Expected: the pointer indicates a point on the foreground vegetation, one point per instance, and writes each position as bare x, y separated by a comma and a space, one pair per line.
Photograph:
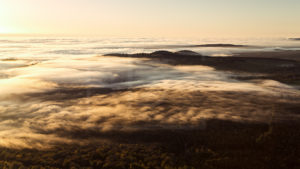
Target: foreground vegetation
221, 144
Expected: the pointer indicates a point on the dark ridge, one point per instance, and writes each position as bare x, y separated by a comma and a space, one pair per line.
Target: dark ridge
219, 45
224, 45
187, 52
9, 59
294, 39
186, 46
162, 53
280, 69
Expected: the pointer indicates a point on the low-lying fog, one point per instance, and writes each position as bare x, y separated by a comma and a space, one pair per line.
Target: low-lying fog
61, 95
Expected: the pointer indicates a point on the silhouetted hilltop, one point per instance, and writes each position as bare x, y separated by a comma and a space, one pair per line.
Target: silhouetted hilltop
187, 52
294, 39
280, 69
162, 53
179, 53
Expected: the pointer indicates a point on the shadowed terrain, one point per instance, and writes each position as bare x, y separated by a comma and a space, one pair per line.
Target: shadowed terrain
162, 110
223, 144
294, 38
283, 66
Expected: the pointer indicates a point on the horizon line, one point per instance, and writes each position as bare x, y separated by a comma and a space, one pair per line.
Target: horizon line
119, 36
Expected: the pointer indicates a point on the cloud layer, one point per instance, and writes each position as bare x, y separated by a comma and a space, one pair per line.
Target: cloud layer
77, 98
41, 122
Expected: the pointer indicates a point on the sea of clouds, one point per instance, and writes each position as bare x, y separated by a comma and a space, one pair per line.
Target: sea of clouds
64, 91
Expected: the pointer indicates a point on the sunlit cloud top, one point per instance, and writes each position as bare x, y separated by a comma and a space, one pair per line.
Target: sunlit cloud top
155, 18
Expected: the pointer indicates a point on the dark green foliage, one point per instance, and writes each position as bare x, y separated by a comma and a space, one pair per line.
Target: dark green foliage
222, 144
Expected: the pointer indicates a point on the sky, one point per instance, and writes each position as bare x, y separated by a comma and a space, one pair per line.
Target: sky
152, 18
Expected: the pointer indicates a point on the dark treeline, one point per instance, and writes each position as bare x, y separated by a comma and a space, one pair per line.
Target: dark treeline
222, 144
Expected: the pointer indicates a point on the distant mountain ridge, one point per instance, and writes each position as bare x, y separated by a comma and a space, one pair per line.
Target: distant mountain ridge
280, 68
219, 45
294, 39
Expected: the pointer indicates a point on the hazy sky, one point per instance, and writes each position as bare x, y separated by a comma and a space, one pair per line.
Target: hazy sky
152, 18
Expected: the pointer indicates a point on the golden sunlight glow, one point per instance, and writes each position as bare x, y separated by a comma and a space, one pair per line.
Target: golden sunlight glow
5, 30
154, 18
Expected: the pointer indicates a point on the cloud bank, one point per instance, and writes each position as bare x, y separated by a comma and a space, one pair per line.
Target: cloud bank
50, 100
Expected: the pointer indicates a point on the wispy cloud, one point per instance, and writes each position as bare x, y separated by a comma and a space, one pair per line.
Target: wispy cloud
78, 99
